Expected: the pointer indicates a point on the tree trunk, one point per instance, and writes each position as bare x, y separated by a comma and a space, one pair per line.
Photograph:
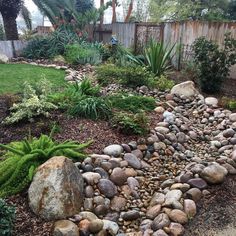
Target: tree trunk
113, 11
10, 27
101, 22
129, 11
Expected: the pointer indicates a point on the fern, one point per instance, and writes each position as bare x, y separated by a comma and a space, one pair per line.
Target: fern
21, 160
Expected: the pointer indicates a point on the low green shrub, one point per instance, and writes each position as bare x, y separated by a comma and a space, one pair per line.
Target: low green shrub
132, 103
23, 157
7, 217
33, 104
228, 103
130, 124
91, 107
129, 76
162, 83
83, 54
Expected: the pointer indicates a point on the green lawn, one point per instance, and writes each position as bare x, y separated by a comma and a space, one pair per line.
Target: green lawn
12, 76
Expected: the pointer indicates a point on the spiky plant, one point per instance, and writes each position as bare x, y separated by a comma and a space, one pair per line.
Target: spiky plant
22, 158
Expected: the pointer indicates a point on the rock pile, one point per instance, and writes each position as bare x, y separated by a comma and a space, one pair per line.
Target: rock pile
151, 186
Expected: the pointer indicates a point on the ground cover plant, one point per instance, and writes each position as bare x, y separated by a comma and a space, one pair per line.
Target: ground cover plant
21, 159
13, 76
131, 102
131, 76
7, 217
129, 123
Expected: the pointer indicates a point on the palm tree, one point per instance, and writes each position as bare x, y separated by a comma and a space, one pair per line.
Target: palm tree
10, 9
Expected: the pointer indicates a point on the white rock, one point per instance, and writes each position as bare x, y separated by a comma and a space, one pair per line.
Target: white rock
113, 150
211, 101
56, 191
3, 58
232, 117
111, 227
186, 88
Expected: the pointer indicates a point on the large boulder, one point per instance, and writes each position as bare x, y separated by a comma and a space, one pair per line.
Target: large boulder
214, 173
186, 88
56, 191
3, 58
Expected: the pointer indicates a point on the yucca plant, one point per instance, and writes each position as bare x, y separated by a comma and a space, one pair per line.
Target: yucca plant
157, 57
22, 158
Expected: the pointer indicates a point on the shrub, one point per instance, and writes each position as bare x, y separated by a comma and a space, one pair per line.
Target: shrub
91, 107
7, 217
82, 54
33, 104
132, 103
128, 76
51, 45
163, 83
129, 124
228, 103
214, 63
22, 158
157, 57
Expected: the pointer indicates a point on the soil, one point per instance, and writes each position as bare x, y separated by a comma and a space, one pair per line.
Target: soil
216, 215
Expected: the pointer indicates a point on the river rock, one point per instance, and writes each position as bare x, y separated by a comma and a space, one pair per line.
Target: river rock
178, 216
107, 188
160, 221
95, 226
65, 228
132, 160
113, 150
190, 208
118, 176
211, 101
53, 193
176, 229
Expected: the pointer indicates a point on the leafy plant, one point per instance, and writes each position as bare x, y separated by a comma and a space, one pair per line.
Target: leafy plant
92, 108
157, 57
34, 103
87, 88
7, 217
22, 158
51, 45
82, 54
132, 76
129, 123
228, 103
214, 63
132, 103
163, 83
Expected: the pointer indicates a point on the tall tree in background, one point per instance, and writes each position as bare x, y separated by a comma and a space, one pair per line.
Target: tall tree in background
189, 9
84, 5
9, 10
129, 11
113, 11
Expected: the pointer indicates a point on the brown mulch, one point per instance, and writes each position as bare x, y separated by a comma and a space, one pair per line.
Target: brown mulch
27, 223
216, 211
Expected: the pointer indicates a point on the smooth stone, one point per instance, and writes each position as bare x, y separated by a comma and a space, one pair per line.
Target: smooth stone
101, 210
182, 187
89, 192
211, 101
198, 183
145, 225
95, 226
172, 197
65, 228
214, 173
91, 178
132, 160
111, 227
153, 212
87, 215
84, 227
107, 188
232, 117
159, 232
178, 216
231, 170
160, 221
130, 215
176, 229
190, 208
228, 133
101, 172
118, 176
159, 110
194, 193
157, 198
132, 183
113, 150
